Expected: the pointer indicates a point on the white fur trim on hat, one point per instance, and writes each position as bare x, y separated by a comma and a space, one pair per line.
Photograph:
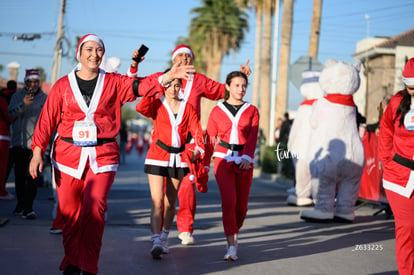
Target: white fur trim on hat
309, 87
408, 81
86, 38
310, 77
182, 49
32, 74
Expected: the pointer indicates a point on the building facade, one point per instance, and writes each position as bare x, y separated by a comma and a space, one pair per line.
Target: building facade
382, 62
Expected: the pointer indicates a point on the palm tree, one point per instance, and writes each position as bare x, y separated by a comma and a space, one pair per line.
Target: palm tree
219, 26
265, 65
258, 6
257, 52
263, 52
286, 38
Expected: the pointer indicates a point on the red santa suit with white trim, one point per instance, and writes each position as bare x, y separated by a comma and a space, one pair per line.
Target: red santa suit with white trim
171, 130
192, 92
77, 168
234, 183
396, 144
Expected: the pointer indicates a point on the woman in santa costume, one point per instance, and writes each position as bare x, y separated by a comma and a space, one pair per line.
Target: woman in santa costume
231, 139
396, 143
84, 108
192, 91
173, 119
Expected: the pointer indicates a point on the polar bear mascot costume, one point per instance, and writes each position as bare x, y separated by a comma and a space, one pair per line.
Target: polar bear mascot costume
298, 142
336, 149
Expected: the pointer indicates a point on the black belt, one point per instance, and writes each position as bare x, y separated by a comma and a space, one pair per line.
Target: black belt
189, 138
233, 147
170, 149
403, 161
99, 141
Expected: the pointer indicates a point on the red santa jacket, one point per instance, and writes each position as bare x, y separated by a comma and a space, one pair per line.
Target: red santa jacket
241, 129
394, 139
65, 105
170, 130
196, 88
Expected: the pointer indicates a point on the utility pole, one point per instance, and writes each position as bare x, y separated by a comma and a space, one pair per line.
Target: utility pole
271, 134
58, 47
367, 19
315, 29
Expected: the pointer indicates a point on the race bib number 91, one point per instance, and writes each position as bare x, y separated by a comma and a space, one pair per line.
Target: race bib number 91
84, 133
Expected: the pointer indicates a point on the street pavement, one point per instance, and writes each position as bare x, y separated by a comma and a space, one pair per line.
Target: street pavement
273, 240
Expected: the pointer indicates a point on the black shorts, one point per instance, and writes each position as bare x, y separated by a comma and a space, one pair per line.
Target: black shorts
171, 172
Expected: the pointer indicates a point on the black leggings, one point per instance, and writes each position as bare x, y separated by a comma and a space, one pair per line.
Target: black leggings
26, 187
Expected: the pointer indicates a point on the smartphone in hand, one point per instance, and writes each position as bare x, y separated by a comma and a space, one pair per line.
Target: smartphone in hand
30, 92
141, 52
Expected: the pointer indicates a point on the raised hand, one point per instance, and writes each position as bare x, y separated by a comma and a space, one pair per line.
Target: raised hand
134, 56
181, 71
246, 69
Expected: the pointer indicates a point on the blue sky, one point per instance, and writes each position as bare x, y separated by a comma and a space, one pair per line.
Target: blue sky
124, 25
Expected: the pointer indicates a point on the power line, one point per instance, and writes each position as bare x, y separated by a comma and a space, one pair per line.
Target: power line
18, 33
26, 54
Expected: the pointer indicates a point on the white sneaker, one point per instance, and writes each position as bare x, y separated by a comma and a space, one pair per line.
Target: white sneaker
304, 202
293, 200
164, 244
231, 254
156, 250
186, 238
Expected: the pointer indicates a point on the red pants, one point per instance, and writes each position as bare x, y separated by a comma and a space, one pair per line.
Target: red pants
403, 209
187, 209
82, 204
58, 220
234, 185
4, 159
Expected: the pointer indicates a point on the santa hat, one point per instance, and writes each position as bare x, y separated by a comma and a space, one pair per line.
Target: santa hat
198, 173
310, 77
32, 74
408, 73
182, 49
309, 87
86, 38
